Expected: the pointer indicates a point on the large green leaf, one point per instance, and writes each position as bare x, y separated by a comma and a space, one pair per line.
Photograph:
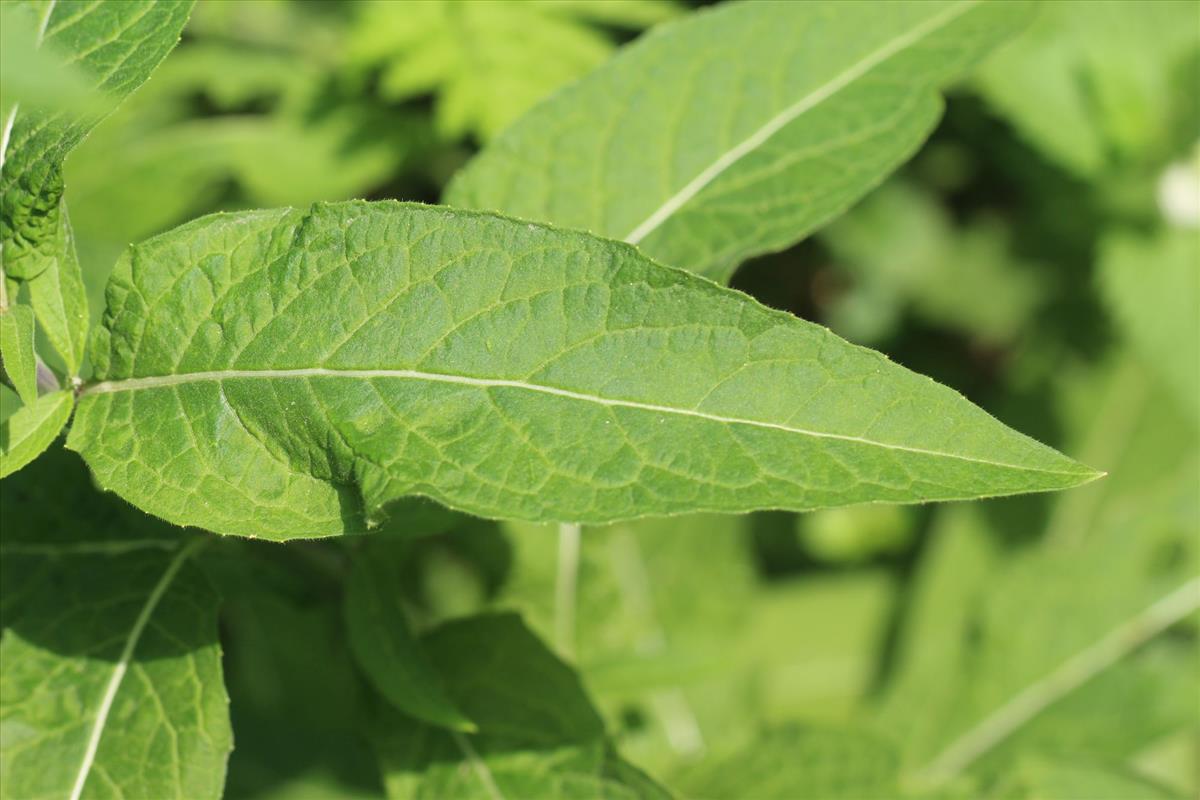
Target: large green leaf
738, 130
111, 685
283, 373
117, 45
539, 735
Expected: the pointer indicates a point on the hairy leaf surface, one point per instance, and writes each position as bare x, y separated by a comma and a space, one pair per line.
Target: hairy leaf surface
283, 373
738, 130
111, 684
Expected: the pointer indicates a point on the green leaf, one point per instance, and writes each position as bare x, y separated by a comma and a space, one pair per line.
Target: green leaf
738, 130
31, 429
539, 735
1007, 655
796, 763
282, 374
1039, 779
17, 331
60, 300
1095, 85
385, 647
487, 62
117, 45
112, 673
1152, 285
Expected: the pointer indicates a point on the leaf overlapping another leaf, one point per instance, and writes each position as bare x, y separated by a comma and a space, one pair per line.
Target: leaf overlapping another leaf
738, 130
283, 373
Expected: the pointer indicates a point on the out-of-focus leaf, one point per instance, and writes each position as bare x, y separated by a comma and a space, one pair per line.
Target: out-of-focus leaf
29, 74
384, 645
297, 701
678, 670
112, 680
901, 250
999, 653
17, 331
1097, 85
488, 62
539, 735
738, 130
117, 46
1152, 285
799, 763
31, 429
855, 533
1039, 779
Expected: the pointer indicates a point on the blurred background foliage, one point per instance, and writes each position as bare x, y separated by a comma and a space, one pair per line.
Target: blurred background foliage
1040, 254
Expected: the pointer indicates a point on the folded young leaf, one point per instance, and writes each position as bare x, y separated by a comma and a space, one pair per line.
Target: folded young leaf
738, 130
17, 353
111, 685
385, 647
31, 429
286, 373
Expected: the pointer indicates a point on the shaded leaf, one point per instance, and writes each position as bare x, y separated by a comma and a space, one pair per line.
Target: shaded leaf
112, 673
386, 648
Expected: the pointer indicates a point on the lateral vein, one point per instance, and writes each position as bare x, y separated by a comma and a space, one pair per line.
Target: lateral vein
163, 381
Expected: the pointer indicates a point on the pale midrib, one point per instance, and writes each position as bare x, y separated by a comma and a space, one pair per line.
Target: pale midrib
164, 381
790, 114
1070, 675
122, 665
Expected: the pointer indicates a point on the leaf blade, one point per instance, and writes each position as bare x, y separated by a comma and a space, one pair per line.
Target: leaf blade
669, 375
16, 347
700, 166
31, 429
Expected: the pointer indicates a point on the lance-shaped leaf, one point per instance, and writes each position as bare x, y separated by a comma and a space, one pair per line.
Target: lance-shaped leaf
117, 45
739, 130
283, 373
17, 350
111, 684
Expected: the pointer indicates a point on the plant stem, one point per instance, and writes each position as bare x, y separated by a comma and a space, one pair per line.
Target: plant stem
565, 587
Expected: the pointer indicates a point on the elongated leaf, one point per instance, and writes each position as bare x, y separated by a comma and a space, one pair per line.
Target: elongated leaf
738, 130
31, 429
539, 735
111, 684
16, 349
999, 650
117, 45
60, 300
282, 373
386, 648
